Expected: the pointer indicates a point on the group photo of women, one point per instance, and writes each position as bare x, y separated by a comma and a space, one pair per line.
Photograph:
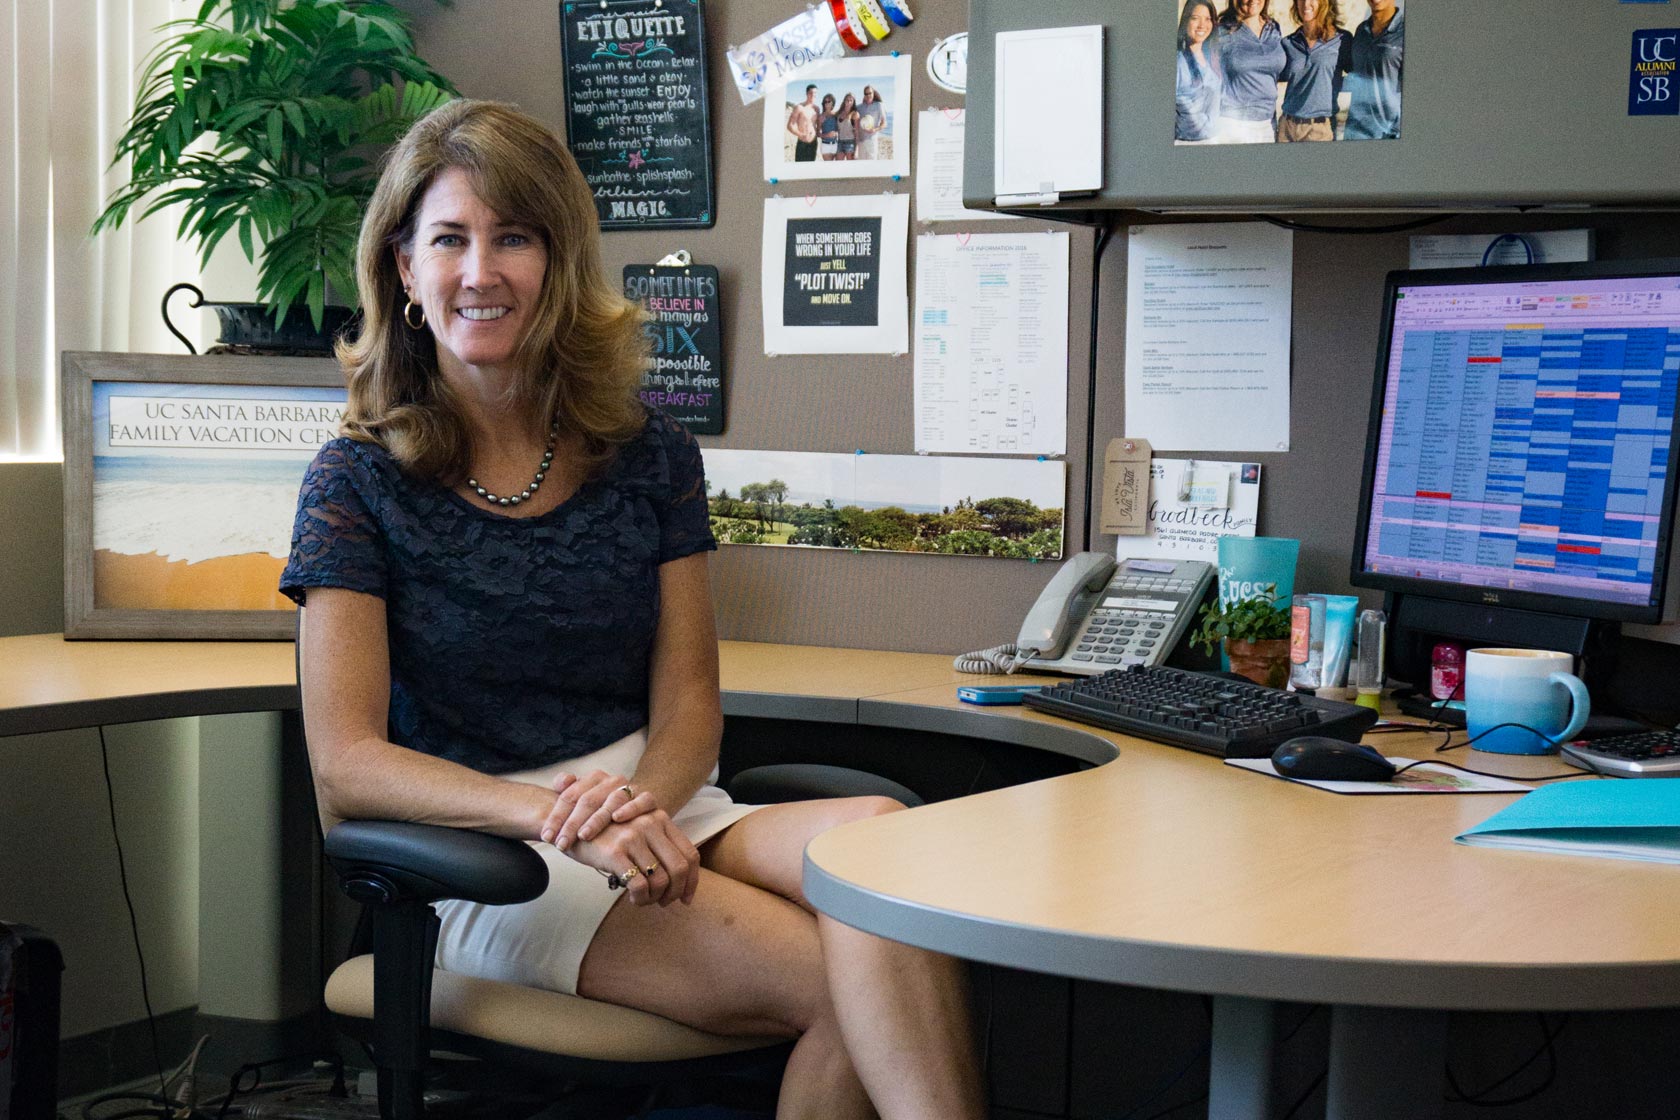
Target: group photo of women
1284, 71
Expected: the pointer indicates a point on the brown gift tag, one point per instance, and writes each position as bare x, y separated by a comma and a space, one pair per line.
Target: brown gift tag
1125, 493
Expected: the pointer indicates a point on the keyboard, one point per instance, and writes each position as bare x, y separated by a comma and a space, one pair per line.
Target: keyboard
1644, 754
1210, 713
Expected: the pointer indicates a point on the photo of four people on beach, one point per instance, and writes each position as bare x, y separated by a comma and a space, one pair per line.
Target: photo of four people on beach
833, 124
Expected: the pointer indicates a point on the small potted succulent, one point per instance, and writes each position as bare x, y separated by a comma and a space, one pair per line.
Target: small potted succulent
1255, 636
263, 119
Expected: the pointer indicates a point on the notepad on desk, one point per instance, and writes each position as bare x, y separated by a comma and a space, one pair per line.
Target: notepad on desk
1616, 820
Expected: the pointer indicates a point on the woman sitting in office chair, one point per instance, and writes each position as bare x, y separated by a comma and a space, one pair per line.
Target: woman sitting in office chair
509, 628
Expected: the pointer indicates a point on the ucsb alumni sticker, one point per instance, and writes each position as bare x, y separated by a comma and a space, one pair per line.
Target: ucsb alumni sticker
1651, 79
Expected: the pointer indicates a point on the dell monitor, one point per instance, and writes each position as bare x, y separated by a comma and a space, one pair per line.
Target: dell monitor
1521, 462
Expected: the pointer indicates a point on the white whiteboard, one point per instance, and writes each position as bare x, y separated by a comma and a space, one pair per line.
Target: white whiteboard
1048, 137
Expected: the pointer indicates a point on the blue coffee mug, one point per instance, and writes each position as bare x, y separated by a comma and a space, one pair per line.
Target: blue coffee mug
1531, 687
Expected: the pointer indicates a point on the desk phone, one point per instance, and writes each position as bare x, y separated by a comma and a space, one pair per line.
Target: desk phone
1098, 615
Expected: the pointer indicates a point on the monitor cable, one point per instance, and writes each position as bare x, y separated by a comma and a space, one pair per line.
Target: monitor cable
1396, 227
1447, 744
1103, 235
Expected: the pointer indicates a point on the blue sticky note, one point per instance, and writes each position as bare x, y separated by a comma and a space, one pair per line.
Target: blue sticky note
1652, 86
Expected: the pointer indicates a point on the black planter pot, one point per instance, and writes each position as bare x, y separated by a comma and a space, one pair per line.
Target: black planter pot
250, 327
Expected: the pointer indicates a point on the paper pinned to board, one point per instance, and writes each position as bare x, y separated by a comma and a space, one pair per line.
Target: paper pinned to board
796, 46
834, 274
1207, 335
1182, 529
1472, 250
991, 351
939, 170
1125, 492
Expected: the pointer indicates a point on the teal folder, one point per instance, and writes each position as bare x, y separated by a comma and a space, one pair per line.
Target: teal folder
1618, 819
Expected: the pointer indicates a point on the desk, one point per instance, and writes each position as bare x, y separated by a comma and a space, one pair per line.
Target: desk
1168, 869
1158, 867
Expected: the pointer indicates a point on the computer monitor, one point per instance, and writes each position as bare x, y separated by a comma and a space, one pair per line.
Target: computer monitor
1522, 450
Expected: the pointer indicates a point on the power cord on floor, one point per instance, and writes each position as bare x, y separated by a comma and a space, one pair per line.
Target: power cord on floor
1307, 1094
1481, 1098
133, 921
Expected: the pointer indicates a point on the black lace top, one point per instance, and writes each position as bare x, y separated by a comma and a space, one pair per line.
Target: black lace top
515, 642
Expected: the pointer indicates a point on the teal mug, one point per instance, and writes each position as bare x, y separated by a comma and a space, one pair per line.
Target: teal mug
1532, 687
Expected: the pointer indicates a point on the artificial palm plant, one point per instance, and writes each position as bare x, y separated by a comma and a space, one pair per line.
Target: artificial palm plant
292, 100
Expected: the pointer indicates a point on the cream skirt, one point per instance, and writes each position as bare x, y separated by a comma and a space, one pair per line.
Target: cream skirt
540, 944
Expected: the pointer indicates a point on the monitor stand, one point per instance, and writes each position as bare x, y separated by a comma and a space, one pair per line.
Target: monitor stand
1417, 622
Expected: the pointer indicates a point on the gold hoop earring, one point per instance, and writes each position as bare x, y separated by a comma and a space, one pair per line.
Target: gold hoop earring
409, 319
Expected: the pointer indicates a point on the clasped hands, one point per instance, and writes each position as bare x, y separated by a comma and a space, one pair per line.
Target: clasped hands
601, 821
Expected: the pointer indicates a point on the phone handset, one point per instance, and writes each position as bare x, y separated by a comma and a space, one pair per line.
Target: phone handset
1064, 602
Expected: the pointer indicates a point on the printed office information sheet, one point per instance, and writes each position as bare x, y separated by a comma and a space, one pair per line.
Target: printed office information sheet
939, 170
991, 343
1207, 336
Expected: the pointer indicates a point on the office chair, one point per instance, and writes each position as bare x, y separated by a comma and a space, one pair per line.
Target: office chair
393, 999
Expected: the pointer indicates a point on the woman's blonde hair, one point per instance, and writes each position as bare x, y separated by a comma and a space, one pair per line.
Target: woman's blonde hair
1327, 25
582, 357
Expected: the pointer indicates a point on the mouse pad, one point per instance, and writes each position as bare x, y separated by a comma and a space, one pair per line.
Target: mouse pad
1428, 778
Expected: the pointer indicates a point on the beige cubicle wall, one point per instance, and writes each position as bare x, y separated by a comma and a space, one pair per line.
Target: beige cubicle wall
844, 403
510, 51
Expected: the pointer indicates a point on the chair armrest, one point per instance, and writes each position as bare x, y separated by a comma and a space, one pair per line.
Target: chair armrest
390, 861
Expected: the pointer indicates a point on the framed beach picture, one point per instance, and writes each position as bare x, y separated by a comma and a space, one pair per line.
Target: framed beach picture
181, 479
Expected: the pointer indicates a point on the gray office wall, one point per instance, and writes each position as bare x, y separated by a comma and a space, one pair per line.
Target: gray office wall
511, 51
1518, 102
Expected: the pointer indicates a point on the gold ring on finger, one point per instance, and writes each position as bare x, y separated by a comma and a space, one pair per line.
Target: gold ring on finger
627, 791
625, 876
650, 869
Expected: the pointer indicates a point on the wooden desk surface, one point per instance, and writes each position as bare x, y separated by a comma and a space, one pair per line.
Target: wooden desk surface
1161, 867
48, 684
1168, 868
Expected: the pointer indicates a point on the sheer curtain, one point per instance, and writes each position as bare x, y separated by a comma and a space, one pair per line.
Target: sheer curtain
67, 77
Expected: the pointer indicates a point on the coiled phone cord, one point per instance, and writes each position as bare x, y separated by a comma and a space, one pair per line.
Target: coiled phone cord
999, 659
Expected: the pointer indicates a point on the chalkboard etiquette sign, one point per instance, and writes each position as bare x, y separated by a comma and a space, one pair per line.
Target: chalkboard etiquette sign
636, 110
686, 378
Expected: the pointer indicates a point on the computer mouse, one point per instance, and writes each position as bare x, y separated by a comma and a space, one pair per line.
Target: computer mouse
1316, 758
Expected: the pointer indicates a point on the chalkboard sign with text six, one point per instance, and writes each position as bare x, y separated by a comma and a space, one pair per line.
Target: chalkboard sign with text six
686, 378
636, 110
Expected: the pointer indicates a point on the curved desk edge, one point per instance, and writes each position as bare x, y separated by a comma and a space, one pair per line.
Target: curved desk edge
1060, 738
782, 705
143, 707
1230, 973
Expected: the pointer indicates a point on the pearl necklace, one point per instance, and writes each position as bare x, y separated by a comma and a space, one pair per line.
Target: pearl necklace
536, 481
